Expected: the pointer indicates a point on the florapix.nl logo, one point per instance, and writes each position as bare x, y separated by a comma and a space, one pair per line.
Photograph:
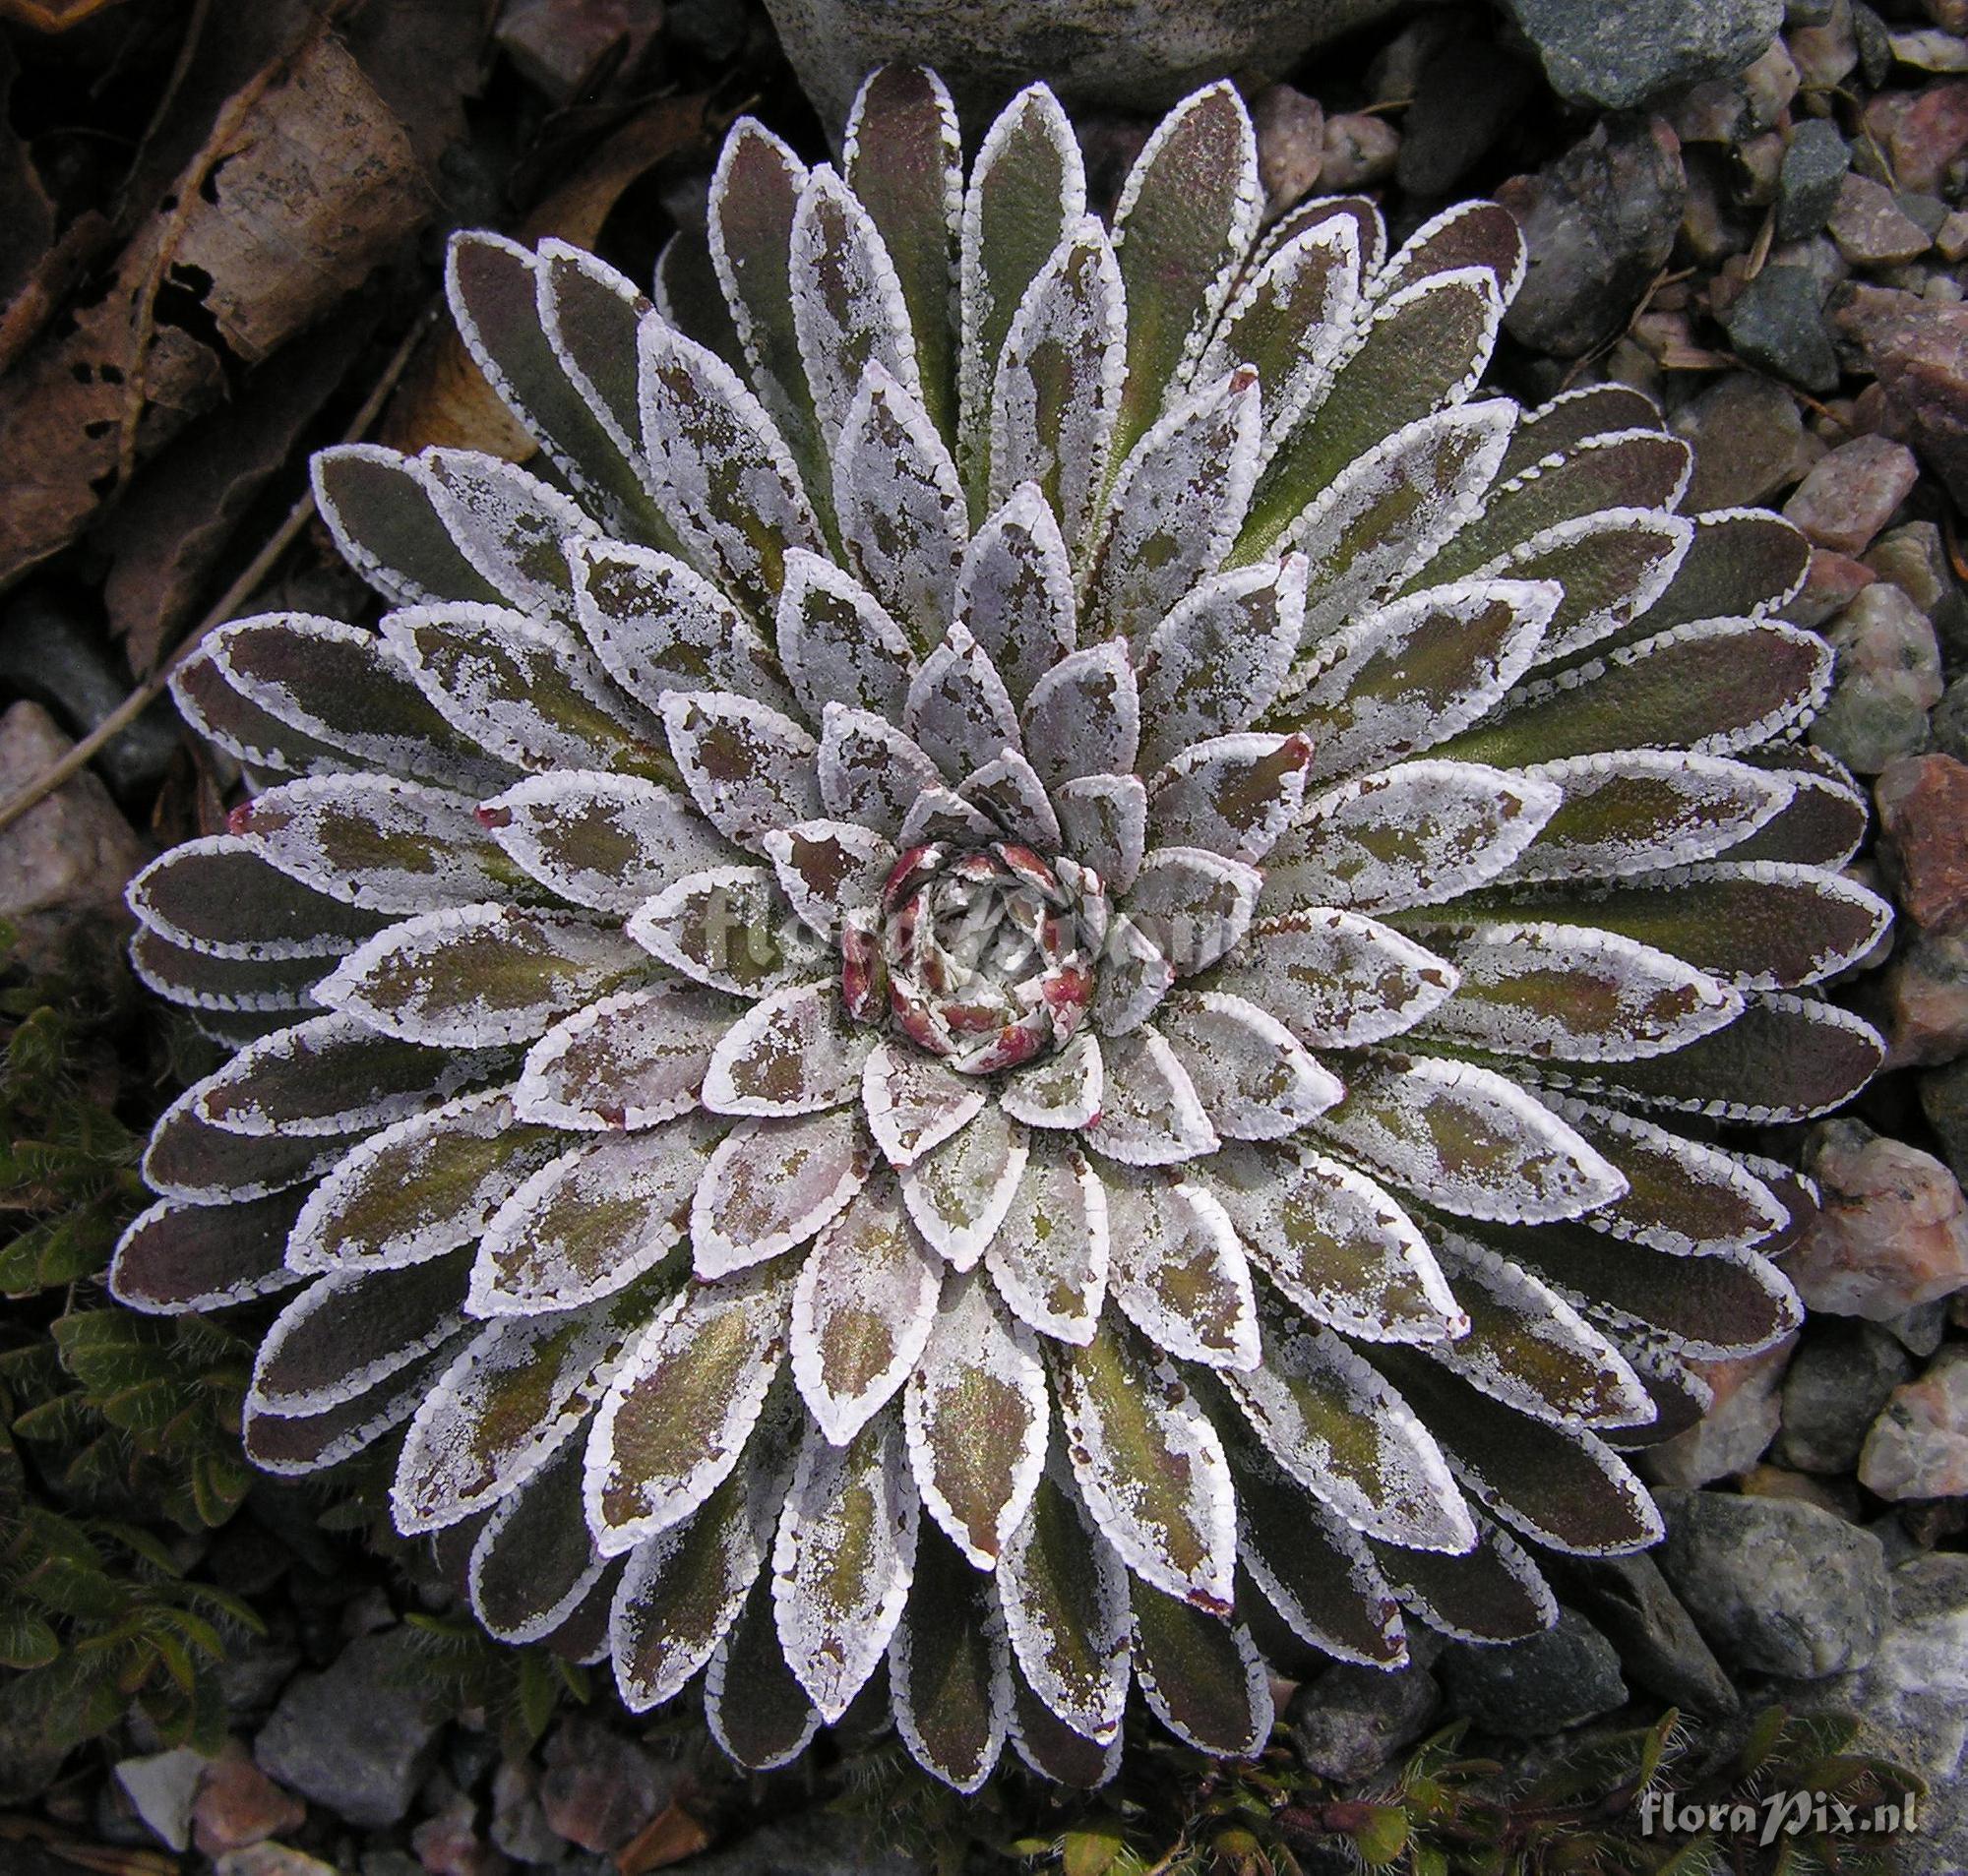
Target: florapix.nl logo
1776, 1814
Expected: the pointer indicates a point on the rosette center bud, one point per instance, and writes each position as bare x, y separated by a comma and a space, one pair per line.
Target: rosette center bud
983, 955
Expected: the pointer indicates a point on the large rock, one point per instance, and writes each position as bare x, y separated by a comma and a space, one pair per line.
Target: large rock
1914, 558
1621, 56
1560, 1678
1738, 1427
1921, 133
1919, 351
1777, 323
1926, 989
1892, 1232
1851, 493
598, 1789
1944, 1099
1834, 1389
1887, 678
1748, 439
1598, 222
1777, 1586
239, 1805
64, 863
1629, 1600
161, 1788
1351, 1720
1918, 1447
1142, 53
1914, 1693
1924, 836
359, 1737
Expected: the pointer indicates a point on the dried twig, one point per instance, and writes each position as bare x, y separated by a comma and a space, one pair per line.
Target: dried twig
102, 1858
235, 595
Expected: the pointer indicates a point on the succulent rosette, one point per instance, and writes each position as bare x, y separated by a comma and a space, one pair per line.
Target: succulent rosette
1032, 974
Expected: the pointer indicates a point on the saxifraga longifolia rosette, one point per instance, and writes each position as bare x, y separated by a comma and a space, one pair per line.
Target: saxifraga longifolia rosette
1029, 972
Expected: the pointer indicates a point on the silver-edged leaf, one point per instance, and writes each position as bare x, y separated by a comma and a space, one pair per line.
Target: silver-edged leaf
770, 1184
589, 1222
957, 709
525, 689
848, 309
375, 842
532, 1562
727, 929
864, 1308
1058, 384
748, 767
1149, 1463
175, 1258
757, 1712
600, 840
977, 1412
1334, 979
1467, 1140
899, 504
791, 1053
1201, 1676
1176, 506
330, 1075
1178, 1272
723, 477
1643, 809
1061, 1090
1565, 992
479, 976
839, 643
1216, 664
903, 156
1335, 1243
959, 1192
657, 626
1015, 590
827, 868
681, 1404
1527, 1347
515, 1395
1104, 819
682, 1589
1028, 193
1404, 677
1347, 1437
1414, 834
1150, 1113
1185, 220
1049, 1256
1235, 795
1064, 1599
843, 1560
1256, 1080
1083, 719
950, 1673
424, 1186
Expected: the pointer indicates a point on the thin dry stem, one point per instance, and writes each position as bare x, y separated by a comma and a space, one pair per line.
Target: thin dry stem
235, 595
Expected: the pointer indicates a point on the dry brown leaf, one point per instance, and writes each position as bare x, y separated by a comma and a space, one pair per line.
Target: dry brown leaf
26, 216
668, 1838
308, 185
443, 399
321, 186
52, 15
164, 540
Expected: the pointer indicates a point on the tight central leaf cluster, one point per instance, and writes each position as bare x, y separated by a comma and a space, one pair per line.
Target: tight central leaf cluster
1028, 979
